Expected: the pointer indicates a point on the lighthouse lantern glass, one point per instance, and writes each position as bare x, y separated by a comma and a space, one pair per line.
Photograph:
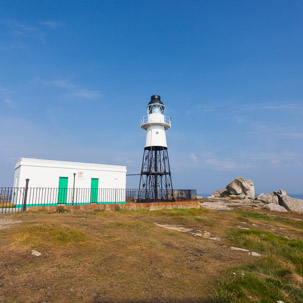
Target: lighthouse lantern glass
156, 109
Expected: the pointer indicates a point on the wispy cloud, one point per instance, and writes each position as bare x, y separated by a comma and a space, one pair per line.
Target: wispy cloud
124, 161
239, 109
200, 108
4, 90
20, 30
6, 97
281, 159
10, 103
268, 107
217, 164
52, 24
17, 27
292, 135
73, 90
194, 159
240, 162
86, 93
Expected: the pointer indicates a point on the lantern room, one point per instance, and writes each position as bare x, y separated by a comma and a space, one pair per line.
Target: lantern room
155, 106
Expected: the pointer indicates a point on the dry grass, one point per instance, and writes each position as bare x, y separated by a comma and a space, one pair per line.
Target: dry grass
123, 256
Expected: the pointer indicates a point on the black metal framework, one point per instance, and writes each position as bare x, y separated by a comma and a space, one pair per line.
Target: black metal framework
155, 181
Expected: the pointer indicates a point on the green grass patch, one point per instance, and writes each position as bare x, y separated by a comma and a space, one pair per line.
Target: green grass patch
132, 225
62, 210
39, 235
266, 217
277, 276
243, 285
178, 212
205, 220
270, 244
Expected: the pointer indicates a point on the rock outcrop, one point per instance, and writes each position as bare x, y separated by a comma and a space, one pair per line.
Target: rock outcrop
219, 193
241, 192
268, 198
241, 188
275, 207
282, 200
291, 204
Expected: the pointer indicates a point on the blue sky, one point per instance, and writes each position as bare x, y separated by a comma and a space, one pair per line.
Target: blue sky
75, 77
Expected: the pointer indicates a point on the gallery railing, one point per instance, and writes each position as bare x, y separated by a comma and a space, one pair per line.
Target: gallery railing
14, 199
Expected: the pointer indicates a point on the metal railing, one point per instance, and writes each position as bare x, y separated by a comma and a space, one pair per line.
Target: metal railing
157, 118
15, 199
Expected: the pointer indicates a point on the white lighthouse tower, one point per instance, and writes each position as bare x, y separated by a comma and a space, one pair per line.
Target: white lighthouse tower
155, 181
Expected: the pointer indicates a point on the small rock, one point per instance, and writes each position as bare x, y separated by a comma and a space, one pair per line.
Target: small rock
239, 249
8, 223
215, 238
255, 254
241, 227
174, 227
206, 235
283, 192
36, 253
280, 301
215, 205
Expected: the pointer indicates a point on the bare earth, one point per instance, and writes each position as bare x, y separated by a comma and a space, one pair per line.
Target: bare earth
122, 256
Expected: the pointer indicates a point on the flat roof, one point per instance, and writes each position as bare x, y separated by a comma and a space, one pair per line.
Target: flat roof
68, 164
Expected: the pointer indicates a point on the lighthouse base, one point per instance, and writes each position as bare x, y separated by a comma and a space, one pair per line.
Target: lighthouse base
155, 181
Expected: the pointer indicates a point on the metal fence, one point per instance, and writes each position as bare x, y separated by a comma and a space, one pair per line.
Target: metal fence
14, 199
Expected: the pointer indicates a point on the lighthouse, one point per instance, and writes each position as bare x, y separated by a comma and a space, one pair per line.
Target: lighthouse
155, 180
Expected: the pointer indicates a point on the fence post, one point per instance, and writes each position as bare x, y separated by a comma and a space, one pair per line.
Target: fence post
25, 194
73, 197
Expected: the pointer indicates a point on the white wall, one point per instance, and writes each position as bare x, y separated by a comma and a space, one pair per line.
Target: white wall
155, 136
46, 173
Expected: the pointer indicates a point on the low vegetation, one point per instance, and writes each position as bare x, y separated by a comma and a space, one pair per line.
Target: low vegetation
278, 276
129, 256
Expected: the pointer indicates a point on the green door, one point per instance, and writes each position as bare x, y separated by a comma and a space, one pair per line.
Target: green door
62, 193
94, 190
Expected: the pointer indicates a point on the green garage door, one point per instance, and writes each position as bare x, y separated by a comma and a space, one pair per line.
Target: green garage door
94, 190
62, 193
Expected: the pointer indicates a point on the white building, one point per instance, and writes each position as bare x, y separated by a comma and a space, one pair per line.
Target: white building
71, 183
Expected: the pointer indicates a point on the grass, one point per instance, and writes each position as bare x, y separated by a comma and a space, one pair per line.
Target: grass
179, 212
272, 218
276, 277
122, 256
47, 235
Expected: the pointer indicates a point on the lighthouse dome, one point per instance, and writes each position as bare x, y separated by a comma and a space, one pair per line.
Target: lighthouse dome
155, 99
